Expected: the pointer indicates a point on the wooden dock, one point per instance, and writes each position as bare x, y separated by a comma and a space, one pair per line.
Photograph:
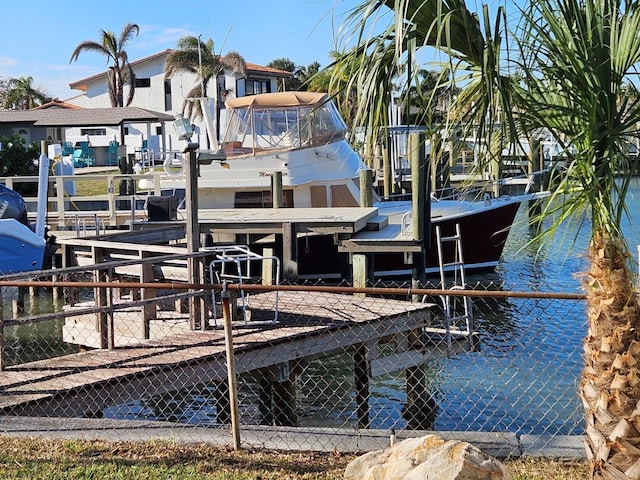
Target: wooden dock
309, 325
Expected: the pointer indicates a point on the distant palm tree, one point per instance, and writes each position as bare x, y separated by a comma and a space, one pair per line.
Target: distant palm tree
191, 55
120, 72
288, 65
20, 94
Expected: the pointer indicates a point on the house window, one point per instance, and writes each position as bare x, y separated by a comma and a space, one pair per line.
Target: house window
93, 131
142, 82
252, 86
167, 96
158, 130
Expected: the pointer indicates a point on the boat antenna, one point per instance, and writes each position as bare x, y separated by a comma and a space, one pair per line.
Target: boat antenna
200, 67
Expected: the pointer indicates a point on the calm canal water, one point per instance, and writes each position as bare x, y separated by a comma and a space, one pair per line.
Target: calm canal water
523, 380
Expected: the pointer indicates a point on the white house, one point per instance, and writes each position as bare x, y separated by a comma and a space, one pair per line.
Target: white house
156, 93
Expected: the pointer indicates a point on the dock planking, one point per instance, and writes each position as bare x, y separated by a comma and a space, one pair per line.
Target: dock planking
309, 324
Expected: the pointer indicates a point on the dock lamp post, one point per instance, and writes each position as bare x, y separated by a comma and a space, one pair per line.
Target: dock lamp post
184, 130
191, 169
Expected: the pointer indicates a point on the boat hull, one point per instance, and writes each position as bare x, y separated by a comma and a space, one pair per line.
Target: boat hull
483, 232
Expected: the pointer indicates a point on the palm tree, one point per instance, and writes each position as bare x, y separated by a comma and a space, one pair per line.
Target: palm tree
575, 57
199, 58
20, 94
120, 72
576, 71
288, 65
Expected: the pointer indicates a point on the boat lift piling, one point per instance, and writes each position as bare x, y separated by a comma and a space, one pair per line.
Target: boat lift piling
421, 213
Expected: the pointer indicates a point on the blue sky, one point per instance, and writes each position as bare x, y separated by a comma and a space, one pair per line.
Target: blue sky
39, 41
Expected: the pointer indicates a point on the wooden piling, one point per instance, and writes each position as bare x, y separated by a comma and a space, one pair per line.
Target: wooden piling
193, 234
276, 190
284, 403
221, 399
386, 168
421, 214
366, 188
361, 380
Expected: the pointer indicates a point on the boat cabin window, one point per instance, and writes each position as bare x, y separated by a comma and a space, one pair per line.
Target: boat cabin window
261, 199
255, 129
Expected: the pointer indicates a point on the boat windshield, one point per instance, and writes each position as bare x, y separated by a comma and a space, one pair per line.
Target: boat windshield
253, 129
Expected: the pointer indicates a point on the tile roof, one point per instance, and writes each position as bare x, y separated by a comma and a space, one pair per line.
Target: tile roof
83, 117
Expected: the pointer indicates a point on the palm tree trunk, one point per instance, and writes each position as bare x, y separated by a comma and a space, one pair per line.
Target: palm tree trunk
610, 384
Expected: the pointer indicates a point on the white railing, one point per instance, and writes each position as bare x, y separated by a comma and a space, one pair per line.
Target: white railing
103, 199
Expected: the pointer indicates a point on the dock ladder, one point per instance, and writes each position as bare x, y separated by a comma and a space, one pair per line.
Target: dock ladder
458, 310
232, 264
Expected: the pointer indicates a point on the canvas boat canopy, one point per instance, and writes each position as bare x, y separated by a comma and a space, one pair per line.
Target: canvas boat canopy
281, 121
278, 99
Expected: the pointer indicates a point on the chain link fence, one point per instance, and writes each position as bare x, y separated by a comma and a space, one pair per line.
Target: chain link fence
101, 344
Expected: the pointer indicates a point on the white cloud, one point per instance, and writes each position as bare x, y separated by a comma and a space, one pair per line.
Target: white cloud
8, 62
158, 37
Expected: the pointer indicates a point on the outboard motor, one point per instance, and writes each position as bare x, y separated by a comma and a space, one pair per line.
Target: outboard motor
21, 249
12, 205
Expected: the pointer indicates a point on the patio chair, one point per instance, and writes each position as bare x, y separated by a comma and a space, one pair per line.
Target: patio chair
67, 149
88, 154
78, 160
113, 152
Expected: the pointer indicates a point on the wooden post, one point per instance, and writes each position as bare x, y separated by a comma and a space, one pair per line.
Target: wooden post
101, 300
421, 213
366, 188
284, 397
361, 271
386, 168
221, 399
420, 410
231, 368
148, 309
18, 303
284, 401
276, 190
265, 400
361, 380
193, 234
535, 208
267, 266
289, 251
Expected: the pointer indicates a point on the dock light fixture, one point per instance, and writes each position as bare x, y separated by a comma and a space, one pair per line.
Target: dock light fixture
183, 127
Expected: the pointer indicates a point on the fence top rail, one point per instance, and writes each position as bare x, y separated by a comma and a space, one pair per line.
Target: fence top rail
378, 291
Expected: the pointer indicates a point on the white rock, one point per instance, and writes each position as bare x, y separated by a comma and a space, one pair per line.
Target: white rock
427, 458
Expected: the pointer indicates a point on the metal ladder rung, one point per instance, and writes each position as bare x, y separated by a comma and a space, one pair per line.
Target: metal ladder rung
453, 264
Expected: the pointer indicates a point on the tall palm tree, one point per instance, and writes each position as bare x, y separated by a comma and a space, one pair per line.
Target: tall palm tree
199, 58
578, 56
120, 72
20, 94
574, 60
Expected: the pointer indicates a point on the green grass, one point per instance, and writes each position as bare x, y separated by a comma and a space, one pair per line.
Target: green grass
28, 458
89, 187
